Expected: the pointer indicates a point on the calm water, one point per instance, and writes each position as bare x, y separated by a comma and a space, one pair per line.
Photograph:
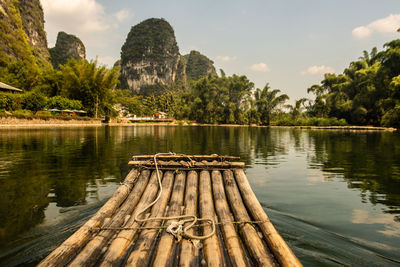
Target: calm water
334, 196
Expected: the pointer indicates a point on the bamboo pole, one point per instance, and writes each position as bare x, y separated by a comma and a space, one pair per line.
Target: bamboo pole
187, 250
166, 246
186, 157
277, 245
119, 246
90, 253
237, 257
63, 254
140, 255
252, 241
186, 164
211, 246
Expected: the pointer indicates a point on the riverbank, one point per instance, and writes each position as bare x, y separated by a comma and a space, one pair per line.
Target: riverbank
13, 122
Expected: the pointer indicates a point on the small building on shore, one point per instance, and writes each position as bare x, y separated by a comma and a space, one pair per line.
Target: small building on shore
160, 115
9, 89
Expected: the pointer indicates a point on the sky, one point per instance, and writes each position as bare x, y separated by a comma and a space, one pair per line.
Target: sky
288, 44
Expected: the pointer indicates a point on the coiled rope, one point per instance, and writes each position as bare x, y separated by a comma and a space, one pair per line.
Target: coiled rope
177, 229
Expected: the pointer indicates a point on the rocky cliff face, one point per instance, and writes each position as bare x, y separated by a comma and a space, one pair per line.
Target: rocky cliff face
22, 35
150, 56
198, 65
67, 46
33, 23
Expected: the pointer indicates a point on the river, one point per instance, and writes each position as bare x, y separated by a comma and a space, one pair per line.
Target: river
333, 195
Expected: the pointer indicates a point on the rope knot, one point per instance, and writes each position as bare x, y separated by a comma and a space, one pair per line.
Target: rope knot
176, 229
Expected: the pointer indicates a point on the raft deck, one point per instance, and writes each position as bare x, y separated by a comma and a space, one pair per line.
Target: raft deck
141, 225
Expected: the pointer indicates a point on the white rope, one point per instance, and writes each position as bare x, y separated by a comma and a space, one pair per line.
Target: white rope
175, 228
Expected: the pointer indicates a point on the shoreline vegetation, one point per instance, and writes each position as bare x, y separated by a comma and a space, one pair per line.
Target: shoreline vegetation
37, 122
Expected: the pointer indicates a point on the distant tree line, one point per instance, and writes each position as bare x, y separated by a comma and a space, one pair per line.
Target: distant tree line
366, 93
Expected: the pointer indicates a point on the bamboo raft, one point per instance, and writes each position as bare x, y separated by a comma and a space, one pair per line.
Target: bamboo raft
178, 210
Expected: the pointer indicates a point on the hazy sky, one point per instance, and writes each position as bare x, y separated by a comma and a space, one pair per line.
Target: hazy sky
289, 44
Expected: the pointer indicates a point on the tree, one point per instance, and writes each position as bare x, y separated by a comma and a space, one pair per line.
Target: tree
297, 109
268, 102
89, 83
367, 92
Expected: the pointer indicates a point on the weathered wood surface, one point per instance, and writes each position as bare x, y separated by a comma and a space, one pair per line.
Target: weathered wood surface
277, 245
189, 165
237, 256
68, 249
140, 255
113, 237
248, 233
186, 157
188, 252
119, 246
90, 253
211, 247
167, 244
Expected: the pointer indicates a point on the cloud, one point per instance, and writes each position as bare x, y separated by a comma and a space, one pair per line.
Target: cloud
390, 24
226, 58
260, 67
391, 227
86, 19
75, 15
314, 70
122, 15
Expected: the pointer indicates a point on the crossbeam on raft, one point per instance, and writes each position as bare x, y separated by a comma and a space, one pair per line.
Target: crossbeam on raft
179, 157
189, 164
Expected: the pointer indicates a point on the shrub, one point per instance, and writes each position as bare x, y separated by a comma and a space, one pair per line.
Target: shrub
44, 114
10, 101
5, 102
59, 102
23, 113
313, 121
34, 101
392, 118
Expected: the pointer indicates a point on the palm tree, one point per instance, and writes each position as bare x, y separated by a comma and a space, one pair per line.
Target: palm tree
268, 101
298, 108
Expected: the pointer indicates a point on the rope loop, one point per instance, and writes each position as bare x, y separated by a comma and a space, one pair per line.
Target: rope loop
176, 228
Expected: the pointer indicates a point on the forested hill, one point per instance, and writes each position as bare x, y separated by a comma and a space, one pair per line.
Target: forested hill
22, 35
151, 61
150, 56
198, 65
67, 46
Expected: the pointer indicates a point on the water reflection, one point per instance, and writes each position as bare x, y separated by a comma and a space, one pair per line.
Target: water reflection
46, 172
369, 162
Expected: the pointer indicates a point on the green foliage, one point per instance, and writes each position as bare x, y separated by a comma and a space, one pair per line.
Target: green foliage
59, 102
44, 114
198, 65
34, 101
151, 38
89, 83
392, 117
22, 75
311, 121
366, 92
67, 46
14, 40
23, 113
221, 99
267, 102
